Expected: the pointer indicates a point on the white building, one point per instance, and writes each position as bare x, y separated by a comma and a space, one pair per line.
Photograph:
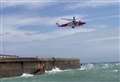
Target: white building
8, 56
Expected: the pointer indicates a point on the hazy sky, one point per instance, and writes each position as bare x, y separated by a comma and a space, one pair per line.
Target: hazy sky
27, 28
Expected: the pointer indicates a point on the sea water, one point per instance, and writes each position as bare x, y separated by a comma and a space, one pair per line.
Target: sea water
107, 72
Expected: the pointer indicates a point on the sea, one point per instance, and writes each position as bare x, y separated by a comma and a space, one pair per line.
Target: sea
102, 72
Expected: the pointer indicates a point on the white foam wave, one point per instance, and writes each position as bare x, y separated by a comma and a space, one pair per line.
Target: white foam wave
115, 70
117, 64
87, 67
83, 68
54, 70
27, 75
105, 66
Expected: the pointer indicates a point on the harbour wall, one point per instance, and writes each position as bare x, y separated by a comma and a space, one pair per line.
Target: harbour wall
17, 66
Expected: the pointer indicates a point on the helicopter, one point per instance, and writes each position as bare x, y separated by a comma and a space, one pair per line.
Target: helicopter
72, 23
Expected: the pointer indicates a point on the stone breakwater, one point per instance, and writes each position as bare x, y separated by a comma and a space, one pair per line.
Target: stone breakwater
17, 66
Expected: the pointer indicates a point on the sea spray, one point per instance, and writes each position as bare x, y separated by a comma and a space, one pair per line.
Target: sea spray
54, 70
87, 67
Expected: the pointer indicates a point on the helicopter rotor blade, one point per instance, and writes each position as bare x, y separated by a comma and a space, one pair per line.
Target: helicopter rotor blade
67, 19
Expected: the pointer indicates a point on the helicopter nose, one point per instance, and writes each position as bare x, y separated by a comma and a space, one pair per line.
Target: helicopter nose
84, 23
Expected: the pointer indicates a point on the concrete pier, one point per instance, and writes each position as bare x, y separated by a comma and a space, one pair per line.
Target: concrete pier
17, 66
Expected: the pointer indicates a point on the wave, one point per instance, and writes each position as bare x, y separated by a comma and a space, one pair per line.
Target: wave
26, 75
117, 64
57, 70
87, 67
116, 70
16, 77
99, 66
105, 66
54, 70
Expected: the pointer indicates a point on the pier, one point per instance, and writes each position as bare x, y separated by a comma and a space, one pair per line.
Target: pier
16, 66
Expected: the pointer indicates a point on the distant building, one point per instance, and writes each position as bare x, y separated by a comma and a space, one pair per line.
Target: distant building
8, 56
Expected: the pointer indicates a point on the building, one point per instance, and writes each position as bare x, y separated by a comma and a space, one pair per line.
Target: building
8, 56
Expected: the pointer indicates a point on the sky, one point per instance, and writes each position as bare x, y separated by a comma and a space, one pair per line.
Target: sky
28, 29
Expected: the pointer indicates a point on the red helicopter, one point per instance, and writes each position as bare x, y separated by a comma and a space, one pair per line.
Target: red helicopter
73, 23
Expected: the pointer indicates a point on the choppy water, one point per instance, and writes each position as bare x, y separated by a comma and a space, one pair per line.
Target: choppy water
87, 73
